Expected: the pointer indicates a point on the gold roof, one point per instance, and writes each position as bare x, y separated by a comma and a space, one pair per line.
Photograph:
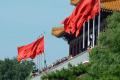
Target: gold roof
58, 31
113, 5
74, 2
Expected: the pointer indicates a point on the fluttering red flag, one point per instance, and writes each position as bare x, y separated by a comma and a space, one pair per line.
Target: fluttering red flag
31, 50
85, 10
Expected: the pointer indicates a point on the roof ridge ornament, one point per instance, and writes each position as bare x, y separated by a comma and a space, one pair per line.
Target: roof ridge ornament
74, 2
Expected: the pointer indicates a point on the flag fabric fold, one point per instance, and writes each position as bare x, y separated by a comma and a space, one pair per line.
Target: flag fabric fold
85, 10
31, 50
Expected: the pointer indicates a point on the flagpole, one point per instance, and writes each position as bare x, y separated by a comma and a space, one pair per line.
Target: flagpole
83, 36
93, 31
88, 32
38, 56
45, 65
39, 63
99, 15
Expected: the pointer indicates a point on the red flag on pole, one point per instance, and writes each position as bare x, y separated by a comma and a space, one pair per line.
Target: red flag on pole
31, 50
85, 10
39, 47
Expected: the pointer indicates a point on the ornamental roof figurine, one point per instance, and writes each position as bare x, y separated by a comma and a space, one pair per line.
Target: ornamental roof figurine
74, 2
58, 31
106, 5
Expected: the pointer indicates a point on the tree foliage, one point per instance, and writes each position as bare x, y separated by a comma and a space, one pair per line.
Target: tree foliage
10, 69
104, 58
67, 74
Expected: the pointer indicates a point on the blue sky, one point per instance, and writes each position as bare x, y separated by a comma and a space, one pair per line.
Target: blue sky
22, 21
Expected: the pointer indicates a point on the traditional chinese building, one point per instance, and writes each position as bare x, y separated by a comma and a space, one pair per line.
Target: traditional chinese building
80, 43
90, 28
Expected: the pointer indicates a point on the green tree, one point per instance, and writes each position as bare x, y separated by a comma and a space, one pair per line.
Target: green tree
10, 69
105, 57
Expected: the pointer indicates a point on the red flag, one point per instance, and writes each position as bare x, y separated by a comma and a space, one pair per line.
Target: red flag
39, 47
31, 50
86, 9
